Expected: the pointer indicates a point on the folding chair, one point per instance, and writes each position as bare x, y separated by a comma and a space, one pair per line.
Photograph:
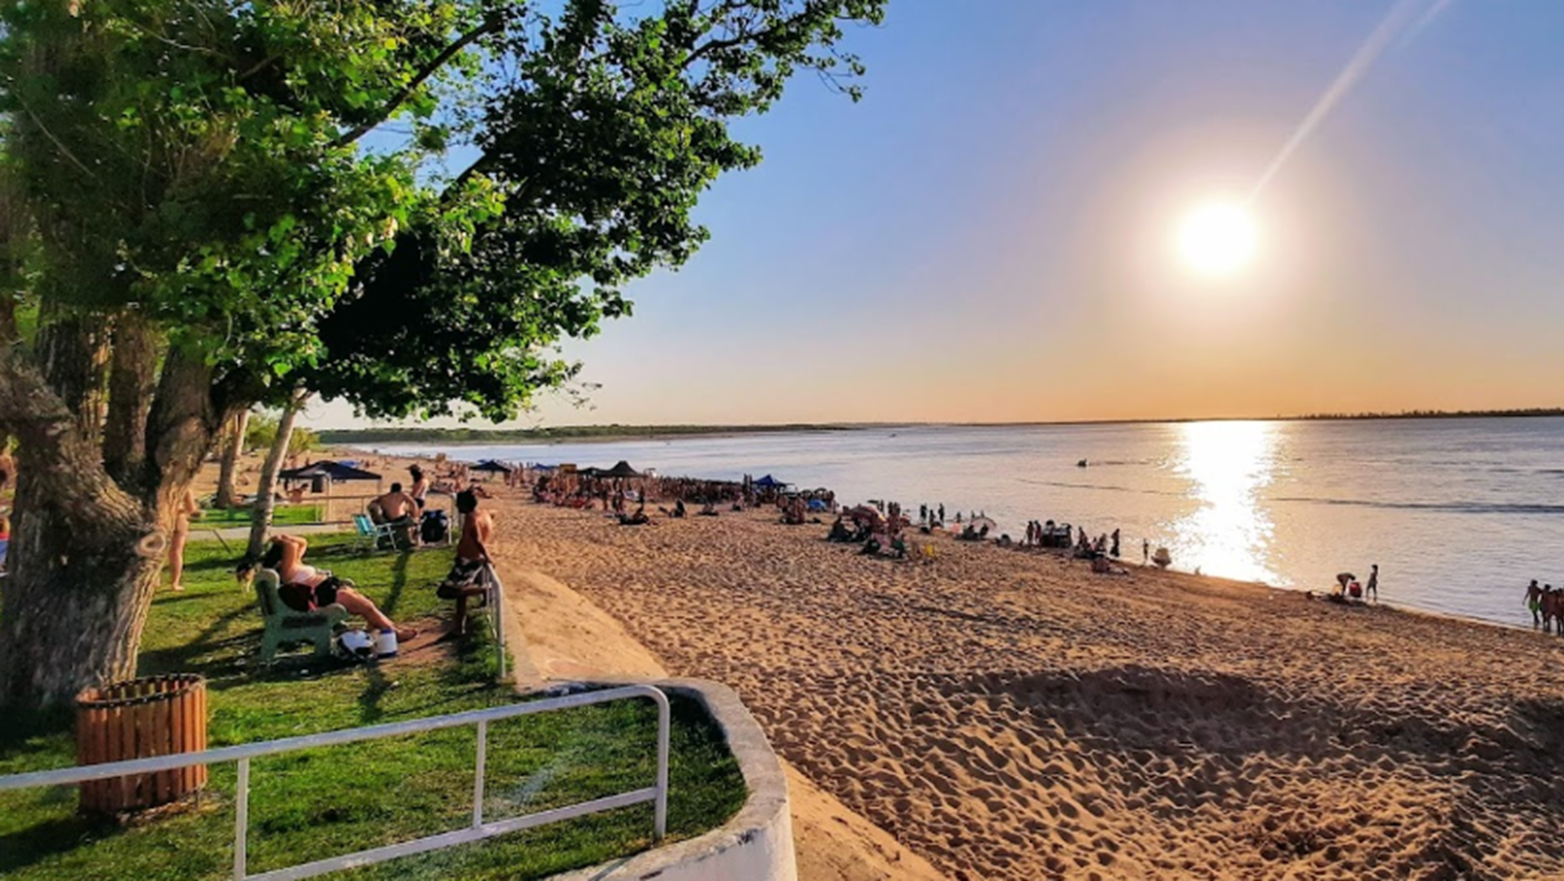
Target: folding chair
370, 533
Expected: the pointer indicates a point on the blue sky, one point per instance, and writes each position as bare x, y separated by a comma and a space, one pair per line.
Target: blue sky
986, 237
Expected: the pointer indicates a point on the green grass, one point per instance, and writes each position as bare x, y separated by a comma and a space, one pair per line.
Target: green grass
282, 515
313, 804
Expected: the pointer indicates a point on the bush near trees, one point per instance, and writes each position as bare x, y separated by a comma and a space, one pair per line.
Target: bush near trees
192, 224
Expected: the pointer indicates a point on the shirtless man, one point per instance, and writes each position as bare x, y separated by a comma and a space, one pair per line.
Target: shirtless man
1534, 603
398, 507
472, 554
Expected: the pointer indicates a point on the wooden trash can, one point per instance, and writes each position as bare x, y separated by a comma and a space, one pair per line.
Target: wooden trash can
151, 716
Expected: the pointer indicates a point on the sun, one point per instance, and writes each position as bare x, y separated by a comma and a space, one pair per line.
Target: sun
1217, 238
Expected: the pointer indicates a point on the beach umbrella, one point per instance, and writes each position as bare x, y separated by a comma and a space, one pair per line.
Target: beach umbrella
492, 466
865, 514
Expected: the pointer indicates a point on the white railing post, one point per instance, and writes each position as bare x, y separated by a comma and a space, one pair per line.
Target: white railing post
660, 806
477, 782
242, 821
496, 601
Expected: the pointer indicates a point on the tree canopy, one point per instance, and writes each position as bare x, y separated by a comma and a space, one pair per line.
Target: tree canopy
207, 205
272, 183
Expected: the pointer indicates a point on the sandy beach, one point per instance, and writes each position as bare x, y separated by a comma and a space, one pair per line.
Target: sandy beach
1008, 714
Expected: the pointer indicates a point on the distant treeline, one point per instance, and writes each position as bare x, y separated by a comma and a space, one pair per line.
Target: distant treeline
1441, 414
361, 436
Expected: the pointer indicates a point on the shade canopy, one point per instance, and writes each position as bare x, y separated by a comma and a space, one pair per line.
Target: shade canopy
622, 469
769, 481
491, 465
333, 471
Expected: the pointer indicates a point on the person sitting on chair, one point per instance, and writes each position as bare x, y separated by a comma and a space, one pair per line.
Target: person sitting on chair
397, 508
304, 588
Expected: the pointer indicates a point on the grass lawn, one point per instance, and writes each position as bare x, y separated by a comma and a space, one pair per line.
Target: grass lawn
319, 803
282, 515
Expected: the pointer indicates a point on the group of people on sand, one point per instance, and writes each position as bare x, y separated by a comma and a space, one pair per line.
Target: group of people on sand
1349, 591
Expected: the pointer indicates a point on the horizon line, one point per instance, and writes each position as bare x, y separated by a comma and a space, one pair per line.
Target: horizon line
1524, 412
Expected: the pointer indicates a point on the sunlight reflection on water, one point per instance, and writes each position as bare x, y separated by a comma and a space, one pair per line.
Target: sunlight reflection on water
1227, 465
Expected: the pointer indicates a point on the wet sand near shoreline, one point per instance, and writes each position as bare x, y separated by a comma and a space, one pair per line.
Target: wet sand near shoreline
1009, 714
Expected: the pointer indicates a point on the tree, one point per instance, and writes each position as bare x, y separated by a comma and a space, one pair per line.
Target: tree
266, 486
301, 441
261, 432
197, 224
233, 448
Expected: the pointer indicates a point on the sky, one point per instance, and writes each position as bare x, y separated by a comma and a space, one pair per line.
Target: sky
991, 234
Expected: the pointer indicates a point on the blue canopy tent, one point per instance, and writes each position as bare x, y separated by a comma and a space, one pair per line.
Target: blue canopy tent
768, 482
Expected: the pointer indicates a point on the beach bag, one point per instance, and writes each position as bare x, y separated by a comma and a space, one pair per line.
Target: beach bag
434, 527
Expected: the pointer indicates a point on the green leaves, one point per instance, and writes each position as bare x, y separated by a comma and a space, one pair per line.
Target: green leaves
401, 203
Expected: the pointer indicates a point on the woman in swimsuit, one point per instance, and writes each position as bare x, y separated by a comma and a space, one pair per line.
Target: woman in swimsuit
420, 487
306, 588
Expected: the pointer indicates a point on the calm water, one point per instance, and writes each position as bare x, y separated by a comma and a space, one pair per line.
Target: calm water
1459, 514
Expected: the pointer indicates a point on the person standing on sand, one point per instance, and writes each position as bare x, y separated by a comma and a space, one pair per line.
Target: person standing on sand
1115, 549
1145, 551
1372, 588
1534, 602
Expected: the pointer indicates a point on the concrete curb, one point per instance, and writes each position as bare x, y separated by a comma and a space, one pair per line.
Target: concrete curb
757, 844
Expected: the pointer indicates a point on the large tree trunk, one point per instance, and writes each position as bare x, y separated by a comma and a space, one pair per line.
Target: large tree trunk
74, 601
261, 521
73, 349
132, 378
87, 554
226, 497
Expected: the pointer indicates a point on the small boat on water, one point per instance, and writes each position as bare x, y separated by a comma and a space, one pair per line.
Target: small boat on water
1081, 464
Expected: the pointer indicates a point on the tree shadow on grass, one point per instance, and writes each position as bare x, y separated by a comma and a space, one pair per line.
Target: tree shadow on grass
398, 582
369, 709
24, 847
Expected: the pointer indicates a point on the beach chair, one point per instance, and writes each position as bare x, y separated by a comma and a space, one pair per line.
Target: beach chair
285, 626
369, 533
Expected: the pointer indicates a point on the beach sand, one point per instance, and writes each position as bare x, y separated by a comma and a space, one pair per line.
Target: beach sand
1008, 714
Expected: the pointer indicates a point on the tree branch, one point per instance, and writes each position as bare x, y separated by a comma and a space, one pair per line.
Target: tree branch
489, 26
31, 410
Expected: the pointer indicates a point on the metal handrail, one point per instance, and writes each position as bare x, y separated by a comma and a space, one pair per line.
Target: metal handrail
497, 614
657, 794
